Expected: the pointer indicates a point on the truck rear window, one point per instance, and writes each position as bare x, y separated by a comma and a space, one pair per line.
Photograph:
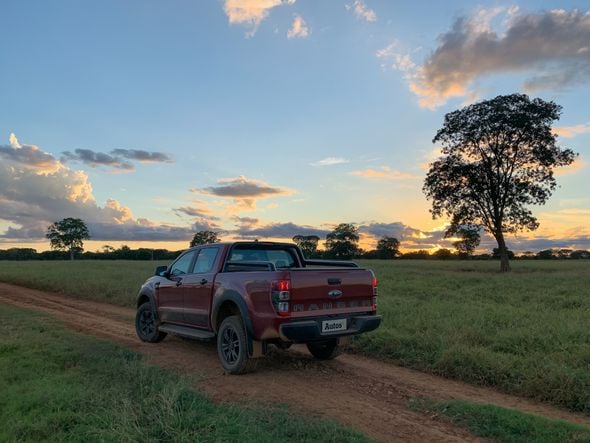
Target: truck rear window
280, 258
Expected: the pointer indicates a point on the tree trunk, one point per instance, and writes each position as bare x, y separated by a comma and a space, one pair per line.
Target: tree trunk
504, 261
71, 253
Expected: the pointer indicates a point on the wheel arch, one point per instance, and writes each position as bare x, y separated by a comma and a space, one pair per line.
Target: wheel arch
232, 303
147, 296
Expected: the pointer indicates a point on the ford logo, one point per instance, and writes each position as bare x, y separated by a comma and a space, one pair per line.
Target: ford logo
335, 293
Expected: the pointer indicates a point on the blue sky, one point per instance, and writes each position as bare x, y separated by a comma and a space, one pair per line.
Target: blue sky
313, 113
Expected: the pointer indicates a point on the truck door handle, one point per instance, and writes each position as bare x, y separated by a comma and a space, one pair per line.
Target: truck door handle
178, 283
203, 281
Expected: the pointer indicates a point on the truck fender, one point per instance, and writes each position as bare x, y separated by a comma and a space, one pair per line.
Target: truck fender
238, 300
148, 294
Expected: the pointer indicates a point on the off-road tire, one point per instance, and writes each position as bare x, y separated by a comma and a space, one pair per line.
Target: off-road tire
325, 350
146, 325
232, 346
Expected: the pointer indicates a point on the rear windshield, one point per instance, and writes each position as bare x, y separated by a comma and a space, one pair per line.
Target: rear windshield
280, 258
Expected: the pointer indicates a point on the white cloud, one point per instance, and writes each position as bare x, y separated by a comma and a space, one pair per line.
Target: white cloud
36, 189
572, 131
330, 161
362, 11
298, 29
552, 47
251, 12
244, 191
385, 173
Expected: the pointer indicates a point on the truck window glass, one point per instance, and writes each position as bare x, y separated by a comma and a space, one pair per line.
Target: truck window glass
181, 265
280, 258
205, 260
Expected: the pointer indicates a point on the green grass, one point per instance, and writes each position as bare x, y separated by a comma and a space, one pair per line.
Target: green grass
57, 385
527, 332
502, 424
116, 281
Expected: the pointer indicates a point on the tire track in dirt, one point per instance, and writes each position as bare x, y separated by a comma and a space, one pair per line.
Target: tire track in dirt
369, 395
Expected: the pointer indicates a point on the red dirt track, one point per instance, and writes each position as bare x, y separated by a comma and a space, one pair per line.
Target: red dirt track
360, 392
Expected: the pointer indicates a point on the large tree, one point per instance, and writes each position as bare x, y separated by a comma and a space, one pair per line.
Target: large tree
342, 242
308, 244
204, 237
387, 247
68, 235
498, 158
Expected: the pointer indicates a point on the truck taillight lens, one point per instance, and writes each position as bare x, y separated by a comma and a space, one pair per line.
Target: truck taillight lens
280, 295
374, 294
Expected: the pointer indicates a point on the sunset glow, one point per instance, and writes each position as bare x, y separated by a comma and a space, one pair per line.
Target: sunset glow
270, 118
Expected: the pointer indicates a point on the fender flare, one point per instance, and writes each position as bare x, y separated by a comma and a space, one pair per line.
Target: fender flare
238, 300
148, 293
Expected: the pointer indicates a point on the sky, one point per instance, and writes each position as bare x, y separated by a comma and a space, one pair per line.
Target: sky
265, 119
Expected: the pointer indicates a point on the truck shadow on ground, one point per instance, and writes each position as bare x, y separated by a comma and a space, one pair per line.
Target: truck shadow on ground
296, 358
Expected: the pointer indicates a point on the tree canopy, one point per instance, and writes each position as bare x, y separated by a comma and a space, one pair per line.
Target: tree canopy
387, 247
498, 158
308, 244
68, 234
342, 242
204, 238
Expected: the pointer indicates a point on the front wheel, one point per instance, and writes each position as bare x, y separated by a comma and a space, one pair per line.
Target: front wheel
146, 325
232, 346
324, 350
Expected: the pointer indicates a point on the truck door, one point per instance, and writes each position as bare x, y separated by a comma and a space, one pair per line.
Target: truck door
198, 288
171, 291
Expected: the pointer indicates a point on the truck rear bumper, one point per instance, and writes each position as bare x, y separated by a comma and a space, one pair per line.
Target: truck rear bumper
311, 330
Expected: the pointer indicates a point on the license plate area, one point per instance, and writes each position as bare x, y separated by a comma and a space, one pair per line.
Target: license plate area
333, 326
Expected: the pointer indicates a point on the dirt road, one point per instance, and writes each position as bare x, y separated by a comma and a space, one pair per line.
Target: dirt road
369, 395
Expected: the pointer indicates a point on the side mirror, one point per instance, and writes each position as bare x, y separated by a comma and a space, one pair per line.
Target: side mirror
161, 271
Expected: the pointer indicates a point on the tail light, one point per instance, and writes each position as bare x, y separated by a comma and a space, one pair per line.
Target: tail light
374, 294
280, 296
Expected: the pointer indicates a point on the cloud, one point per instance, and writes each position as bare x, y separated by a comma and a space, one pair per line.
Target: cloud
251, 12
143, 156
244, 191
94, 159
245, 222
330, 161
398, 230
385, 173
37, 189
361, 11
298, 29
578, 165
572, 131
29, 156
552, 47
117, 159
197, 212
278, 230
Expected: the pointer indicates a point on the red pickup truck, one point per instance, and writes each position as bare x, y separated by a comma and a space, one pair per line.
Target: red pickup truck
252, 294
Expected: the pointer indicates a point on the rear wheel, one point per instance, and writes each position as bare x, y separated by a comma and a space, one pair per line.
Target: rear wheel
232, 346
324, 350
146, 325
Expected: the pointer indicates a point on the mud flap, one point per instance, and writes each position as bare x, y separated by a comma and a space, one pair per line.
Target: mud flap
258, 349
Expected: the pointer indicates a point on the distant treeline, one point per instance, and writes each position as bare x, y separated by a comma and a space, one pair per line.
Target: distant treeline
126, 253
123, 253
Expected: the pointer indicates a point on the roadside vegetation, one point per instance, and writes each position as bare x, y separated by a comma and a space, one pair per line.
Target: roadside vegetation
502, 424
525, 332
58, 385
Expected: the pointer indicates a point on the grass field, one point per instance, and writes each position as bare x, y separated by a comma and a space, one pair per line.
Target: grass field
58, 385
527, 332
501, 424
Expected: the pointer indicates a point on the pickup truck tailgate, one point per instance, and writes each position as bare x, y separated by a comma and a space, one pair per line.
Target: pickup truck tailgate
331, 291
